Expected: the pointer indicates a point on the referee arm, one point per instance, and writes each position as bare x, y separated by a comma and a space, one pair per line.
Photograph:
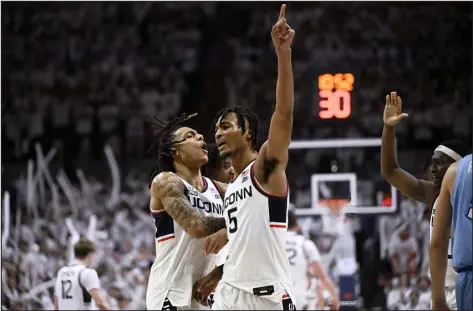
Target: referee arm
441, 232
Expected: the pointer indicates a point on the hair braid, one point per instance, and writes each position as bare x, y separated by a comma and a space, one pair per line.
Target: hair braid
164, 142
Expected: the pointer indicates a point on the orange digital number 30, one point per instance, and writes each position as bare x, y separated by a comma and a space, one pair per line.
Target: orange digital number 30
335, 104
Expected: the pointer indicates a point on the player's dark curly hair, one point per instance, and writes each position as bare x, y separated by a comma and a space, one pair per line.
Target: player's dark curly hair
242, 114
164, 142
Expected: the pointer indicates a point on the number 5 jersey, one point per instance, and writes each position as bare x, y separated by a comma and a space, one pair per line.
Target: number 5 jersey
256, 228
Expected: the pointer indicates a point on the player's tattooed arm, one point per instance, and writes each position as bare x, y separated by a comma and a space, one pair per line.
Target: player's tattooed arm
169, 189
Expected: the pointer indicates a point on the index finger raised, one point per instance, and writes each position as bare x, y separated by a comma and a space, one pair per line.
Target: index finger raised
282, 13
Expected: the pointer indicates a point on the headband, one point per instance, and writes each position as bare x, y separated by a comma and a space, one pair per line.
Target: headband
452, 154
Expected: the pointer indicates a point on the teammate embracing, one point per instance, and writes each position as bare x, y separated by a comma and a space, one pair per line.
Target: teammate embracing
256, 272
185, 206
417, 189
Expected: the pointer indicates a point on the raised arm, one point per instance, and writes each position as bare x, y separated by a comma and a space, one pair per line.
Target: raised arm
167, 190
417, 189
440, 239
280, 129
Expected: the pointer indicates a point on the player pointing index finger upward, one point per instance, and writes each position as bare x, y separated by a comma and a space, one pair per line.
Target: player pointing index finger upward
256, 271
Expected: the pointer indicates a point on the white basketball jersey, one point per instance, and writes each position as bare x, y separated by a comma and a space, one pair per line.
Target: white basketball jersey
180, 259
301, 252
451, 276
256, 228
70, 291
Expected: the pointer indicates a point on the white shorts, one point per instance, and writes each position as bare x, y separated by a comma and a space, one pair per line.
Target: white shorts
450, 294
301, 301
167, 305
228, 297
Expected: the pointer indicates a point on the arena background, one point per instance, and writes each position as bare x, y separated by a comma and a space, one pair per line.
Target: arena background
78, 79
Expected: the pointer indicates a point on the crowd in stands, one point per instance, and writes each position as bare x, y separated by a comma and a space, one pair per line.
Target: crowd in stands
404, 251
81, 75
47, 216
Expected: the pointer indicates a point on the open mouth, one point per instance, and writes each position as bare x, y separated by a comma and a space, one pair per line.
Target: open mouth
204, 148
220, 144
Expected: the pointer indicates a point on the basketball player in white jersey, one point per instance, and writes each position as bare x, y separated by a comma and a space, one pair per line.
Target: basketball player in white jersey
418, 189
304, 260
185, 206
256, 272
77, 286
220, 170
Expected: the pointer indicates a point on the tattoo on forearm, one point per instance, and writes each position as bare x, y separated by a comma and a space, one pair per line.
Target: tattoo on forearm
181, 210
213, 224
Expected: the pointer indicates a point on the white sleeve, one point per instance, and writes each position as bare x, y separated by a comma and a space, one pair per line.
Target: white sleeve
311, 251
89, 279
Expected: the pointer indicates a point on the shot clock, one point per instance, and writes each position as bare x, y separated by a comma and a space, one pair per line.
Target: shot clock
335, 97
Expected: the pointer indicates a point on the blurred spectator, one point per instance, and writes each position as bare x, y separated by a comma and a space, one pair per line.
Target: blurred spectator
404, 251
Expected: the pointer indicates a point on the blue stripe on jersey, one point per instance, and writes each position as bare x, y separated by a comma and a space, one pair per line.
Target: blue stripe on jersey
164, 224
461, 199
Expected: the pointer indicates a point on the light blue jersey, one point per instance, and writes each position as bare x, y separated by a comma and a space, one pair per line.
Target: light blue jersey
461, 199
462, 213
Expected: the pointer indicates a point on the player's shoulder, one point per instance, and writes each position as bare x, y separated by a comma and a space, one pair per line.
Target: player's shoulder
89, 273
308, 242
165, 177
449, 177
166, 181
61, 270
453, 166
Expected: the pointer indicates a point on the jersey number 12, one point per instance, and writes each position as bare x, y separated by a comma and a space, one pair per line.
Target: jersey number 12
66, 289
291, 255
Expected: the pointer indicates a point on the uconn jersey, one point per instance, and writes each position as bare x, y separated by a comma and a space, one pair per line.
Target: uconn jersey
257, 261
180, 259
72, 287
301, 252
451, 275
